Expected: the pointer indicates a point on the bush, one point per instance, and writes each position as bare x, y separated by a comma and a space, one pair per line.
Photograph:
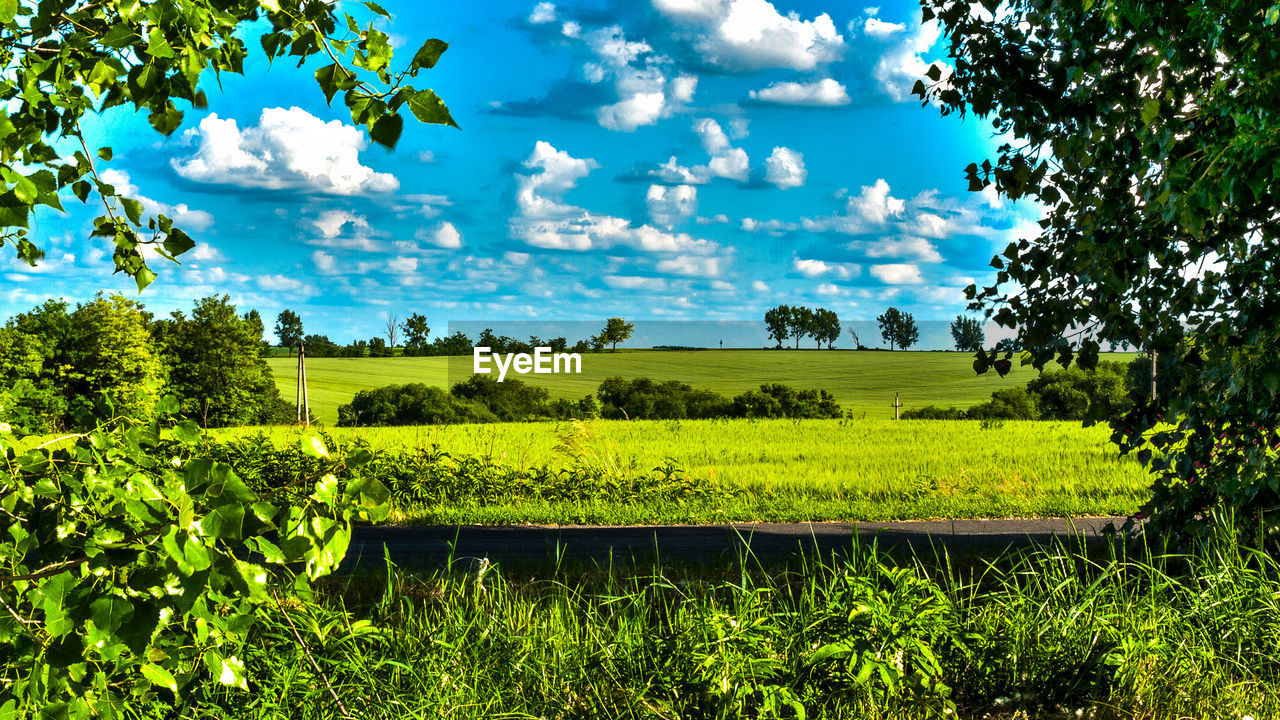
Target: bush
411, 404
933, 412
774, 400
644, 399
509, 401
1014, 403
1075, 394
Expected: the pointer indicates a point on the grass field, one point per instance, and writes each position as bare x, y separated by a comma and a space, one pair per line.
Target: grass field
864, 382
793, 470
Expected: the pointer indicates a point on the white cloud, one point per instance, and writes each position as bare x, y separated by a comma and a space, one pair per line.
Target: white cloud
874, 204
821, 93
332, 223
827, 289
749, 35
818, 268
691, 266
543, 12
283, 283
402, 265
732, 164
670, 206
903, 63
759, 286
907, 246
631, 282
897, 274
640, 78
545, 220
444, 235
785, 168
183, 216
877, 28
711, 134
289, 149
324, 262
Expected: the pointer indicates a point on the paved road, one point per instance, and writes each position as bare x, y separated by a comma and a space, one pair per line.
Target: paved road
418, 546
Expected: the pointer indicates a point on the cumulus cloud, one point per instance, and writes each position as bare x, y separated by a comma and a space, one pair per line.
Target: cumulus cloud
874, 203
877, 28
289, 149
897, 274
402, 265
759, 286
906, 246
545, 220
633, 282
903, 61
818, 268
285, 284
325, 263
646, 89
751, 35
183, 216
785, 168
444, 235
670, 206
691, 266
821, 93
543, 12
726, 161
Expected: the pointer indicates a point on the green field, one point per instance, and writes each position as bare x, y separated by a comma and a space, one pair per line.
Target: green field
862, 381
795, 470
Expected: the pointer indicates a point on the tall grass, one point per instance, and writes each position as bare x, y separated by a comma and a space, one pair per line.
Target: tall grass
1055, 632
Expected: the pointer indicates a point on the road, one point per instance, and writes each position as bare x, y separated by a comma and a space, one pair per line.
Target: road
519, 545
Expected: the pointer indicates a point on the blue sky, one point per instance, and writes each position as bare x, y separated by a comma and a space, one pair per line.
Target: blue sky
661, 160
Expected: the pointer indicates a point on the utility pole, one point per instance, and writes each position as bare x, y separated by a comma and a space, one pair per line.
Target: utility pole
303, 401
897, 405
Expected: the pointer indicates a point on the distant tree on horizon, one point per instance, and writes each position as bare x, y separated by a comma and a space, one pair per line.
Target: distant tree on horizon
898, 328
826, 327
777, 322
616, 330
967, 333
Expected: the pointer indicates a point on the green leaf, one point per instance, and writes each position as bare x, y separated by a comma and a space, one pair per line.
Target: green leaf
132, 209
313, 446
157, 45
110, 612
178, 242
187, 432
166, 120
429, 54
157, 675
333, 78
25, 189
427, 107
378, 9
143, 277
8, 9
224, 522
105, 152
228, 671
13, 211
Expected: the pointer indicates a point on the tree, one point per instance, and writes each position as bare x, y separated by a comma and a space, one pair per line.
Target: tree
391, 329
777, 322
826, 327
415, 334
71, 59
967, 332
289, 329
616, 330
800, 323
898, 328
216, 369
112, 360
853, 335
1148, 133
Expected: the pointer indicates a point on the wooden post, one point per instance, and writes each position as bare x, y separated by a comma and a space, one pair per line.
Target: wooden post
1153, 375
297, 401
303, 401
897, 405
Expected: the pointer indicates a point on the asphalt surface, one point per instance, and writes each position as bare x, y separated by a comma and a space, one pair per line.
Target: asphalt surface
431, 546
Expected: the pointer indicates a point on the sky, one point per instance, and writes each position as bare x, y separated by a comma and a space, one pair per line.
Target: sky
663, 160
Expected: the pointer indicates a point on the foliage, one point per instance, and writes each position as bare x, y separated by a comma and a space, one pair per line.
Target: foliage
642, 399
967, 333
65, 60
1147, 133
898, 328
124, 577
1015, 403
215, 367
289, 329
112, 367
1074, 394
826, 327
775, 400
616, 330
411, 404
508, 401
777, 322
787, 321
416, 330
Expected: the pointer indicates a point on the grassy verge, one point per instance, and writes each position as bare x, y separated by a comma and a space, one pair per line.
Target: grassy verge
1052, 633
619, 472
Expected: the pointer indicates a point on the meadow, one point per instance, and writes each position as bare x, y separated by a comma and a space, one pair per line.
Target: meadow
779, 470
863, 382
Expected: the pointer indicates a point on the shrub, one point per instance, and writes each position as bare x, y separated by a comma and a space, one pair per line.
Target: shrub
508, 401
933, 412
1075, 394
411, 404
1014, 403
774, 400
644, 399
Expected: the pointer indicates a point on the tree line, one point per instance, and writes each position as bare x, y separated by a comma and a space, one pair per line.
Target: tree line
415, 330
897, 328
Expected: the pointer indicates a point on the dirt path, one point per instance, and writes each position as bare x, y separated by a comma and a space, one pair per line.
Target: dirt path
517, 545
